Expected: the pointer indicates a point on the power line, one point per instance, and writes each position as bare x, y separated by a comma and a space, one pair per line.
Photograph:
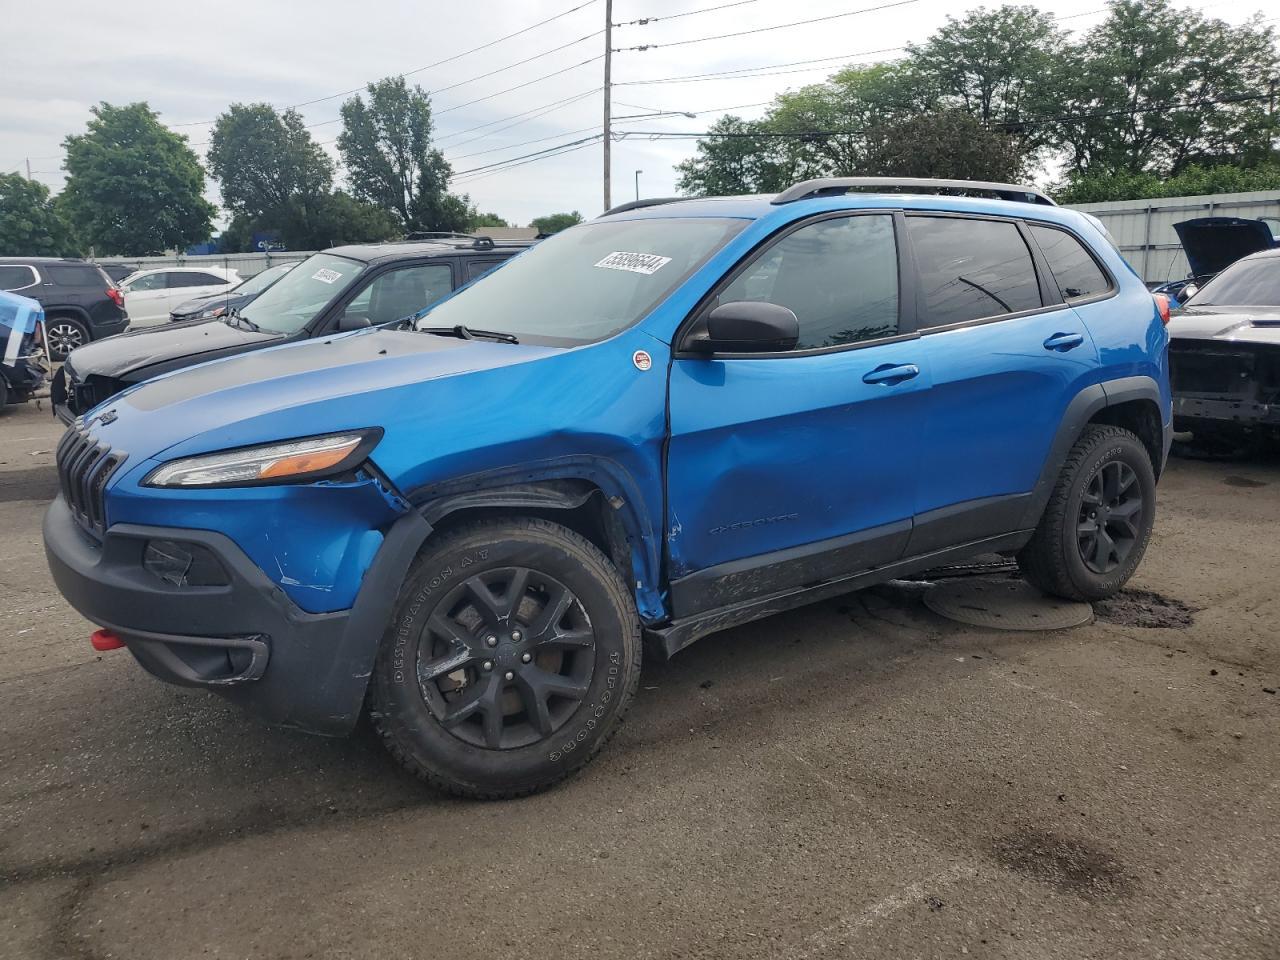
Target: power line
745, 73
688, 13
492, 173
519, 86
537, 153
536, 113
778, 26
429, 66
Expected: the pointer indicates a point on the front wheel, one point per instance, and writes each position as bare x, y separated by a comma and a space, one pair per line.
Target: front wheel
1098, 521
512, 655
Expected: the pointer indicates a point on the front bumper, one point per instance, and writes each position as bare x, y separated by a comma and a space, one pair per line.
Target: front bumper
245, 640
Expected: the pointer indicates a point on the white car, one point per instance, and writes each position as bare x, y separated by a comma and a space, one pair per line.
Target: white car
149, 295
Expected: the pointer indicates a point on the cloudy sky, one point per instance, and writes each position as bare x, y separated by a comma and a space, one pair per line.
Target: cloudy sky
189, 61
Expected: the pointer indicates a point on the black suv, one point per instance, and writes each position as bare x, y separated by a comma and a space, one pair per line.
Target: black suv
81, 303
340, 289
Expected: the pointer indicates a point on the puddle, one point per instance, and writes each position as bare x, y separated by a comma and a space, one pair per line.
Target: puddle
1243, 482
1144, 608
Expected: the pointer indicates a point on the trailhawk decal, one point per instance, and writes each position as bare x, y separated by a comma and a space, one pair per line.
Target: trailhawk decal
645, 263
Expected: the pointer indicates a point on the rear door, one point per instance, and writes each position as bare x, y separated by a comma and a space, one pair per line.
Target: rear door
147, 299
1006, 356
185, 284
792, 468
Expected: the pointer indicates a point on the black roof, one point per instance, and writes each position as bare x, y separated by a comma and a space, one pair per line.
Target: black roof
402, 249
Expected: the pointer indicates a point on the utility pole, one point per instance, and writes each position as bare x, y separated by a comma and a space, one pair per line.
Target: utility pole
638, 172
28, 168
608, 102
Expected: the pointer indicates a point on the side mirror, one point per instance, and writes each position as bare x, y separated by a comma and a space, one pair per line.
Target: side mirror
749, 326
350, 321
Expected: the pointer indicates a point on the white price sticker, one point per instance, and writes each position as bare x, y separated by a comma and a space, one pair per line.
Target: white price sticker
645, 263
325, 275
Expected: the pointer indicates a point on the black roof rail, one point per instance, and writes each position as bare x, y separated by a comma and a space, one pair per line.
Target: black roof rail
639, 204
833, 186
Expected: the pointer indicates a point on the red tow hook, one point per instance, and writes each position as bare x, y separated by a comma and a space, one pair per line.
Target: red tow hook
105, 640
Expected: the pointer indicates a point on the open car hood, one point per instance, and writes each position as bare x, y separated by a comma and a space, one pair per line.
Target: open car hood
1214, 243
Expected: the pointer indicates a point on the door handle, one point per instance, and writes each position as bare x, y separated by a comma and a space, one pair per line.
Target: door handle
891, 373
1062, 342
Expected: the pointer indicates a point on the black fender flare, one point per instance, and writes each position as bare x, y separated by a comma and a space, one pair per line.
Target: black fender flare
1084, 406
72, 311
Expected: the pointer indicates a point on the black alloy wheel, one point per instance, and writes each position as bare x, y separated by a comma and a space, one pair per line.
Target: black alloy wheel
1111, 514
507, 659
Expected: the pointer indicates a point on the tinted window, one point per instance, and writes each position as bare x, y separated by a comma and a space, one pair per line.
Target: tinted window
72, 275
476, 268
1077, 273
1246, 283
14, 277
402, 293
839, 277
971, 269
194, 280
588, 282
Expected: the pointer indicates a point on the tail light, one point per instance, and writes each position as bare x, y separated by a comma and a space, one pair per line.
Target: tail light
116, 297
1162, 305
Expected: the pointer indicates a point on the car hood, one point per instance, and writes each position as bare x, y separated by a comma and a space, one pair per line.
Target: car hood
1238, 324
130, 354
334, 383
1214, 243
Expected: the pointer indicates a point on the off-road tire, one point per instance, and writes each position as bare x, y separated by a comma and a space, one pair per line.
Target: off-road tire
398, 703
1052, 559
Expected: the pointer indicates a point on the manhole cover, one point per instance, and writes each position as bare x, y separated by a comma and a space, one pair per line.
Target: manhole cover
1004, 605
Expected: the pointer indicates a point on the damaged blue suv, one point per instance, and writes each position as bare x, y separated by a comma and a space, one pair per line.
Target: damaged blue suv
676, 418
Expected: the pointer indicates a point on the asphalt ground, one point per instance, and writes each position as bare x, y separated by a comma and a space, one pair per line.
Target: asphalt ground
859, 778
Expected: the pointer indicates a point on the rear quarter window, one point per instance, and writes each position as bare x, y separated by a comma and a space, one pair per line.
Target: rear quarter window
77, 275
1072, 265
17, 276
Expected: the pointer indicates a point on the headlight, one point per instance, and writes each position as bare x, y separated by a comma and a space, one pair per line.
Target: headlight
291, 461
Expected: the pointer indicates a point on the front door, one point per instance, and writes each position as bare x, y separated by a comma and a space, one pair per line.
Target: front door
792, 468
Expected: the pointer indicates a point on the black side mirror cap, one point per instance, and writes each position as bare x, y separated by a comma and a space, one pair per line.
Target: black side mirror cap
348, 322
749, 326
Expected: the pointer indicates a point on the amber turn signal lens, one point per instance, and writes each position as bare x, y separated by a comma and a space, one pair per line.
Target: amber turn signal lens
307, 462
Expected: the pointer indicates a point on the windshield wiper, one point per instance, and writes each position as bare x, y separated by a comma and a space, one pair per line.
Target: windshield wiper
469, 333
234, 316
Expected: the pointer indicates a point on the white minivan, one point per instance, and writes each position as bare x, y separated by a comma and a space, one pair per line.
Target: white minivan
149, 295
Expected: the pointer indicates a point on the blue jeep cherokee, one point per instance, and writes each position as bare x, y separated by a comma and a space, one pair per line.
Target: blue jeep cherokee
670, 420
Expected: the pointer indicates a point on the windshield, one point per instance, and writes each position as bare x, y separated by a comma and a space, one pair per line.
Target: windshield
1247, 283
588, 282
303, 292
260, 281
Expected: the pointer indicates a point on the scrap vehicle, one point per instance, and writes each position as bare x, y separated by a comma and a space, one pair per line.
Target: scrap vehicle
1224, 356
210, 306
1211, 244
80, 302
339, 289
651, 426
23, 368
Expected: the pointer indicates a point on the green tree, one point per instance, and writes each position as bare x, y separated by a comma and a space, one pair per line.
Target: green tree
134, 187
997, 65
734, 160
948, 144
271, 172
344, 219
487, 220
30, 224
1193, 181
386, 147
1155, 88
555, 222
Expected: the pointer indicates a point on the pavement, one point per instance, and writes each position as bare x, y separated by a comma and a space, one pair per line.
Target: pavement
858, 778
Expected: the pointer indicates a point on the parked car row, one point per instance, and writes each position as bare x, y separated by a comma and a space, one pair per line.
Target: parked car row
465, 510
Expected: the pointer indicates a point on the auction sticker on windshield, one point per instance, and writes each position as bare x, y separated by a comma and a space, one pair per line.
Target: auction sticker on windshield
325, 275
646, 263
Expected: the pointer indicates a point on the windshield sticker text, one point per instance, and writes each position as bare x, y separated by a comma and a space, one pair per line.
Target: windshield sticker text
325, 275
646, 263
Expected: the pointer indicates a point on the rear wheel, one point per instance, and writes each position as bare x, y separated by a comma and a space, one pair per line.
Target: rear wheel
64, 335
1098, 521
512, 655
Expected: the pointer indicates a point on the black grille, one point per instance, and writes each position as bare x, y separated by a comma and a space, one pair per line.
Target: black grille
84, 467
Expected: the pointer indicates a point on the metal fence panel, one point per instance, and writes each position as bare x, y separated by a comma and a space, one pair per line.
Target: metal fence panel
1143, 229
